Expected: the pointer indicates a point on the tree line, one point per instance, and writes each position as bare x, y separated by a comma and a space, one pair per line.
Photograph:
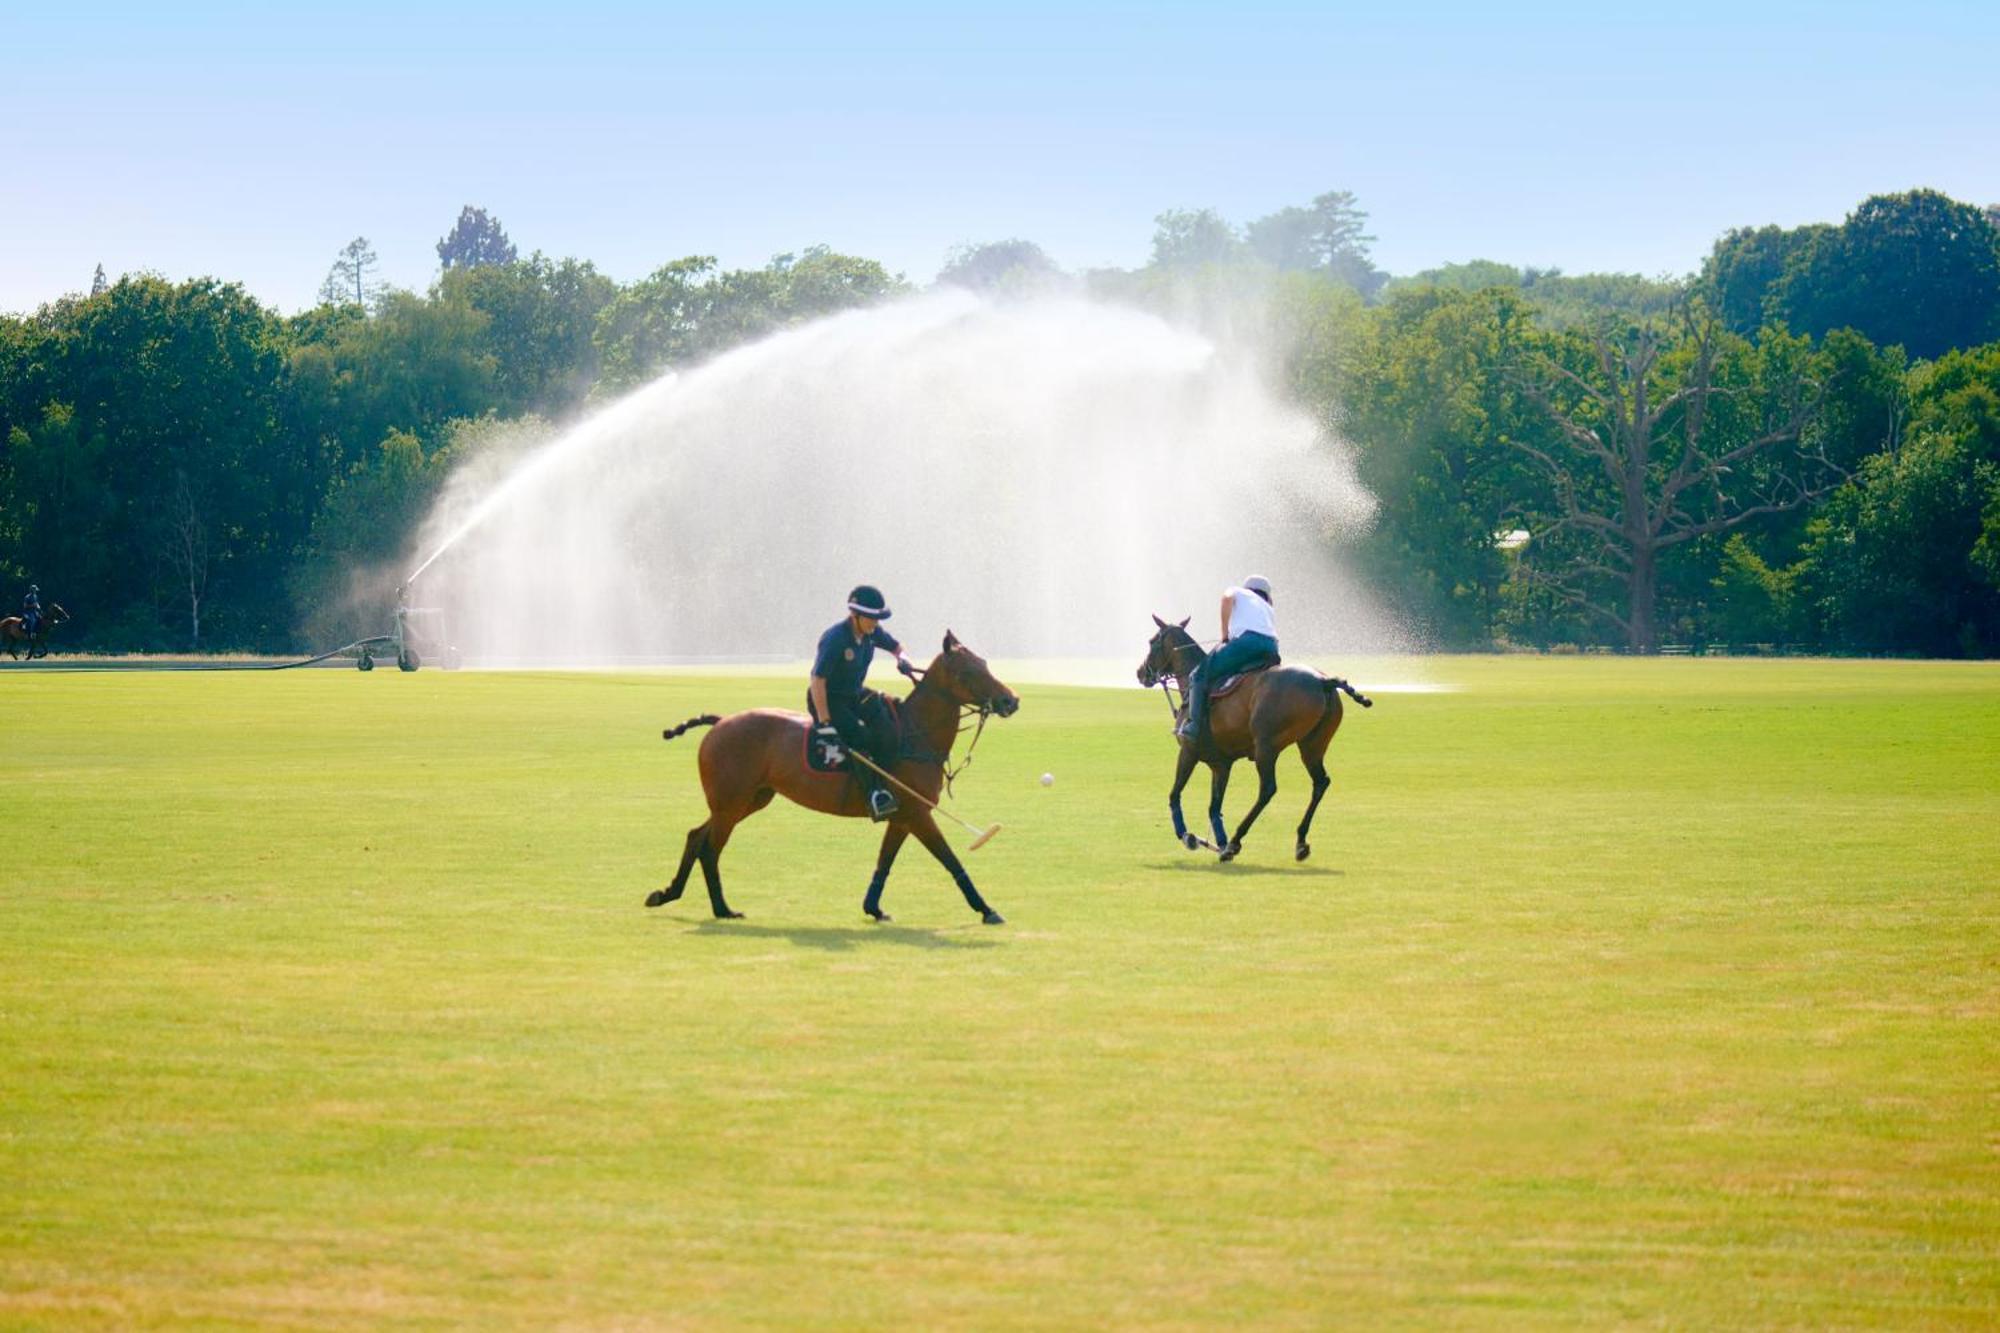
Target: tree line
1798, 445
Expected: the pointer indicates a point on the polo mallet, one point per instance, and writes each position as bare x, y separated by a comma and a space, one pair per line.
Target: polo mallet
980, 836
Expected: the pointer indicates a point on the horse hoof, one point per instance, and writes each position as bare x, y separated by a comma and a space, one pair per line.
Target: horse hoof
992, 918
880, 917
656, 897
1230, 852
1189, 841
1304, 850
729, 916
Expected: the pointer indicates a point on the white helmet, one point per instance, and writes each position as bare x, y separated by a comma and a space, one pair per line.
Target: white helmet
1260, 585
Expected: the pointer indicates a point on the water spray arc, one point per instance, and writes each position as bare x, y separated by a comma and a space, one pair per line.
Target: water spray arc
1047, 473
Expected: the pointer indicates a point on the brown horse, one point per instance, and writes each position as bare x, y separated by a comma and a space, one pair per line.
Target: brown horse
752, 756
1266, 712
14, 633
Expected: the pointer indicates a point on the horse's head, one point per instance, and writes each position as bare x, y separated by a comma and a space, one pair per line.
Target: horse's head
1166, 656
962, 674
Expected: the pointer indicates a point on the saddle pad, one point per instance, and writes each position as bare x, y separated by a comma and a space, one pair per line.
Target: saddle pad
816, 757
1233, 681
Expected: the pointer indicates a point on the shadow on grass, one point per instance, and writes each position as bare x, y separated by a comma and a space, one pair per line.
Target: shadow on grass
840, 939
1209, 865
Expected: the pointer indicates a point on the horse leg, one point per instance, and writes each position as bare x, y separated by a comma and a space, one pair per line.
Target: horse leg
1315, 761
689, 853
704, 844
1267, 787
719, 829
927, 833
1183, 769
1218, 784
892, 842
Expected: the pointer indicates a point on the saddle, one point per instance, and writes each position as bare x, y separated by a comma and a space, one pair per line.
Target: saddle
1229, 684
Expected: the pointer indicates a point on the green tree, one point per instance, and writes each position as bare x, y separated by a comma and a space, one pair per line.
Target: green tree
1737, 277
1330, 234
1754, 601
1010, 265
1917, 270
351, 279
655, 322
1429, 406
1895, 561
1958, 395
1475, 275
476, 239
1669, 434
821, 282
687, 311
414, 365
173, 395
1186, 239
541, 315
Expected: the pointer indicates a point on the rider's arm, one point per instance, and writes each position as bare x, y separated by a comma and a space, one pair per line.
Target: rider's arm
1228, 604
818, 692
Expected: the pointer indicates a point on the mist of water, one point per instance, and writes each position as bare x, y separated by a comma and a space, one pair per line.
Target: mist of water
1038, 475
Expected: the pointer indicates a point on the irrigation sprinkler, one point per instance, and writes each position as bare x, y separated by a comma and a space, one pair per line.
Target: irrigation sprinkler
415, 626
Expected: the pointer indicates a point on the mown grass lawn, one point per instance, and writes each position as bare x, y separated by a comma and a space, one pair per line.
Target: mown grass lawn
1616, 991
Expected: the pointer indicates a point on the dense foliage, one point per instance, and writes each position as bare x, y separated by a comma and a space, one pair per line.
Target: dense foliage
1799, 446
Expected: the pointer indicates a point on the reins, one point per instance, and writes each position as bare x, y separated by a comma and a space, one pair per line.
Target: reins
1173, 673
943, 761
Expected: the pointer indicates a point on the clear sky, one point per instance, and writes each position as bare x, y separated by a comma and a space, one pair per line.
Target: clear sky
252, 141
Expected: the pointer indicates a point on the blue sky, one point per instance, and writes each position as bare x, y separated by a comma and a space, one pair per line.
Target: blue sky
252, 141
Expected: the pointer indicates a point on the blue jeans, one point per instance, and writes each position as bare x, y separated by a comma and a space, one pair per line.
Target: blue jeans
1246, 652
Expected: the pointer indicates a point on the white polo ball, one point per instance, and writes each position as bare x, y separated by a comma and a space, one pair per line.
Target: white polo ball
1048, 779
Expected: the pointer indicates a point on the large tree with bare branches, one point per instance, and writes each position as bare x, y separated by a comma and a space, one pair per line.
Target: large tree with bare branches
1668, 431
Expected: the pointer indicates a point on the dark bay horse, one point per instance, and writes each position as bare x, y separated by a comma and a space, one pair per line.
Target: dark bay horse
14, 633
753, 756
1268, 711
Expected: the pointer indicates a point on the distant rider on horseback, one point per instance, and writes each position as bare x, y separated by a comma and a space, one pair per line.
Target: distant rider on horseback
847, 716
31, 610
1250, 643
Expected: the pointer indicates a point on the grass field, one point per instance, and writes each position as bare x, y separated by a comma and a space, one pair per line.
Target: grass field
1617, 991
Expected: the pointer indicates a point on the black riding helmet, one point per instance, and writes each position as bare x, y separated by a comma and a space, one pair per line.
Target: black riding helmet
867, 600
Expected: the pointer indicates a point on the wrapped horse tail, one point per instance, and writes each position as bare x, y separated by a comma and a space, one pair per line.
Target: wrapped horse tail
705, 720
1336, 683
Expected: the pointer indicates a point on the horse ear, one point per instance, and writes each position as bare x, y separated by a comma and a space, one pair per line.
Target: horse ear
1184, 622
1157, 621
950, 641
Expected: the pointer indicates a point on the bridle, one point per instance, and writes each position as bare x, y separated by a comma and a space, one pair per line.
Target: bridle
1175, 674
981, 711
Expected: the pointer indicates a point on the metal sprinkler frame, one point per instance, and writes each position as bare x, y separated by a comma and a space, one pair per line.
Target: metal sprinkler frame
406, 637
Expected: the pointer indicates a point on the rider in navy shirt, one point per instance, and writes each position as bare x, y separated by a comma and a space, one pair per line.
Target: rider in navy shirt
841, 703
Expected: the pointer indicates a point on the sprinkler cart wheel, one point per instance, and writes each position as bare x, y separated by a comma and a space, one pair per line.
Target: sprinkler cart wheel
364, 663
407, 660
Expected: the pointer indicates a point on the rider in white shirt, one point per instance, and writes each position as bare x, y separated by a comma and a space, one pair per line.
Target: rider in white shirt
1250, 642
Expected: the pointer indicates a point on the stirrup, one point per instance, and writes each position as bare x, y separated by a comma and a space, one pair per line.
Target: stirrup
881, 804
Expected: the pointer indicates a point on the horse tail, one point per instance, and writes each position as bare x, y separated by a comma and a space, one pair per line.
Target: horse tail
705, 720
1332, 683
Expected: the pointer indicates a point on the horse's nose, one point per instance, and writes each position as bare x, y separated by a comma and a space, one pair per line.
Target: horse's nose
1008, 706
